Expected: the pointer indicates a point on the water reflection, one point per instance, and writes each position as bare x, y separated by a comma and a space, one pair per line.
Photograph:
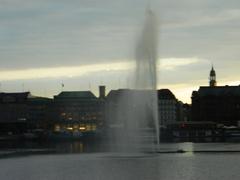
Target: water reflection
53, 146
92, 146
186, 147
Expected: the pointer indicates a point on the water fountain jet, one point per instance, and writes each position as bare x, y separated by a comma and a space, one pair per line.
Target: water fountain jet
136, 116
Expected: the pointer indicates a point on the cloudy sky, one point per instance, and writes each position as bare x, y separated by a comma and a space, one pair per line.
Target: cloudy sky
85, 43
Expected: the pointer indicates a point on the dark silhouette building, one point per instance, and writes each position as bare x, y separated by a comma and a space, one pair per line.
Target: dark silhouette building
37, 111
220, 104
212, 78
102, 92
183, 112
21, 112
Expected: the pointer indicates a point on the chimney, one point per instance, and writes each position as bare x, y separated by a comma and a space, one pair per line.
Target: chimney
102, 90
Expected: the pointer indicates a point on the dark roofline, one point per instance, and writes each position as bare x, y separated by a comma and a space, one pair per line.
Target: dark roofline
217, 91
16, 94
165, 94
219, 86
119, 91
75, 94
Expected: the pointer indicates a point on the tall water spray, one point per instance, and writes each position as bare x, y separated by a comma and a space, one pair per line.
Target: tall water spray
135, 113
146, 54
146, 71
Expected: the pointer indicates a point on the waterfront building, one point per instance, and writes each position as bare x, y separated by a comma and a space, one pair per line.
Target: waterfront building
167, 107
119, 105
220, 104
22, 111
191, 131
183, 112
125, 107
77, 111
37, 112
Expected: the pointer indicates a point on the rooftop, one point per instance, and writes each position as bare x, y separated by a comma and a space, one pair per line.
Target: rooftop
165, 94
75, 94
219, 91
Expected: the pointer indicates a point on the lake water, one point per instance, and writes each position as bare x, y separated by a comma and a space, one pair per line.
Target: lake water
201, 161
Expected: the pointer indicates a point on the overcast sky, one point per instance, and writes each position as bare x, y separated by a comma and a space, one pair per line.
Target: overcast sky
85, 43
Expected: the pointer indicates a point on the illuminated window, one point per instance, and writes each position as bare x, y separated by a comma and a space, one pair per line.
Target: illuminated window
69, 128
88, 127
82, 128
57, 128
75, 126
63, 114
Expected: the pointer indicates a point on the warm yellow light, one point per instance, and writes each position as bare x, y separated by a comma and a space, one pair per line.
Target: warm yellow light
75, 126
69, 128
63, 114
88, 127
82, 128
57, 128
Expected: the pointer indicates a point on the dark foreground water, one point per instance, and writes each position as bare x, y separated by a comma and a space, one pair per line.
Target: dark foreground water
84, 161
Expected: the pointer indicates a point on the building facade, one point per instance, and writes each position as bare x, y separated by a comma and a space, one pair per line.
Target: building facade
130, 108
219, 104
21, 112
167, 107
123, 103
77, 111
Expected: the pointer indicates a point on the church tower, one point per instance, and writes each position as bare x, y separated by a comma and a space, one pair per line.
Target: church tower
212, 78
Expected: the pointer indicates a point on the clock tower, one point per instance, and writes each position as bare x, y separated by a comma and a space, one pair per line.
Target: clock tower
212, 78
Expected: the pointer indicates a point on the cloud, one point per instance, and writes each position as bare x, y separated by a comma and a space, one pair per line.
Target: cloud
172, 63
88, 38
57, 72
210, 18
73, 71
37, 34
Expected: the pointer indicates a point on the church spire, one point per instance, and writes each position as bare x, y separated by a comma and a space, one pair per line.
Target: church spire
212, 78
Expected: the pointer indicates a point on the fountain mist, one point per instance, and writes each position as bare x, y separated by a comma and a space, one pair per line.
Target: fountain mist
146, 69
137, 110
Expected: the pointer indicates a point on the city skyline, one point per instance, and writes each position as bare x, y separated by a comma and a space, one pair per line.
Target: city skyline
84, 44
